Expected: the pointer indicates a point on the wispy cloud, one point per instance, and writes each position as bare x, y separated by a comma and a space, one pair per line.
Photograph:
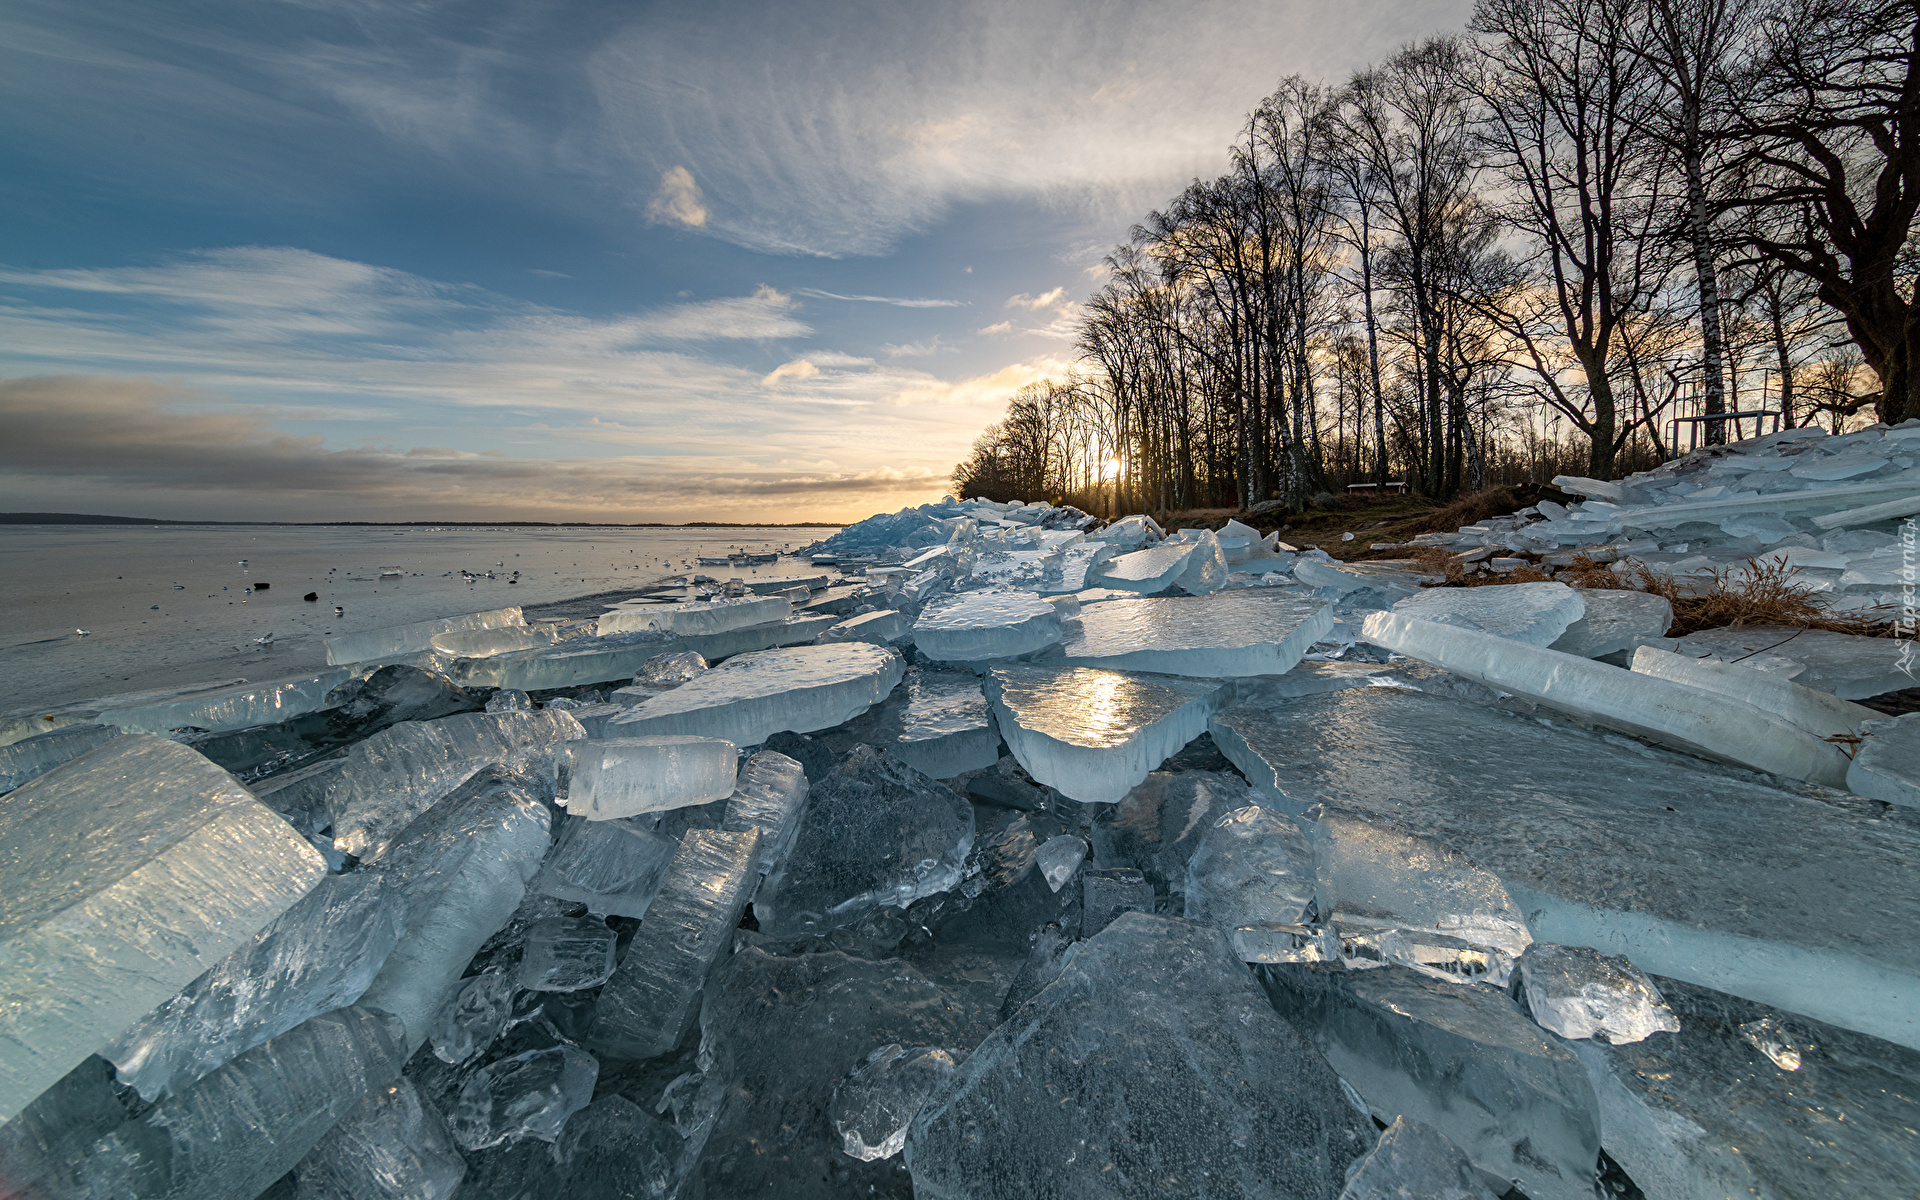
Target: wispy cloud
998, 329
896, 301
1035, 303
677, 201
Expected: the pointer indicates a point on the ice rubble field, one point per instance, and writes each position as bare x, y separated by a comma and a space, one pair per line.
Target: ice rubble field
995, 852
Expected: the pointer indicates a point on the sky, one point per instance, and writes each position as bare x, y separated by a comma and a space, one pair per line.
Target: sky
551, 260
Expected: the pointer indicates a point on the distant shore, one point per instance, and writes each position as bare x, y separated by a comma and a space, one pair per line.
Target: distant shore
47, 518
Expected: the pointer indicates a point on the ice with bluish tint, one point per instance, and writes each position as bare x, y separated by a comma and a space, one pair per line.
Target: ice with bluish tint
234, 707
885, 627
1375, 873
651, 999
612, 867
401, 772
317, 956
1705, 723
752, 696
1074, 568
476, 1013
400, 641
1182, 1080
711, 616
624, 777
1821, 714
937, 722
1094, 734
1129, 532
975, 626
875, 832
1058, 858
1886, 766
566, 954
872, 1107
1109, 892
1578, 992
529, 1095
464, 867
33, 757
1253, 868
670, 670
1847, 665
1153, 570
1220, 636
1414, 1162
1463, 1060
242, 1127
485, 643
125, 873
1532, 613
393, 1145
1615, 620
1638, 852
770, 795
509, 700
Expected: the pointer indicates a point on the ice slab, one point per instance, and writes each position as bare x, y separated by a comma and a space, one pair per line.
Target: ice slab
399, 641
1221, 636
1578, 992
242, 1127
1184, 1083
1887, 765
1371, 873
1705, 1113
1252, 869
1615, 620
875, 832
612, 867
1158, 825
1129, 532
786, 583
975, 626
1463, 1060
401, 772
1705, 723
1058, 858
653, 995
1635, 851
937, 722
393, 1145
566, 954
1821, 714
317, 956
712, 616
1534, 614
748, 698
770, 796
624, 777
31, 722
1412, 1161
885, 627
233, 707
1154, 570
872, 1107
125, 873
1868, 514
33, 757
485, 643
529, 1095
1804, 502
1851, 667
614, 1150
617, 656
1094, 734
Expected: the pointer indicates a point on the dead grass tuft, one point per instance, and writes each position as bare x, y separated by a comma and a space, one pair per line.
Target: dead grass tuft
1753, 593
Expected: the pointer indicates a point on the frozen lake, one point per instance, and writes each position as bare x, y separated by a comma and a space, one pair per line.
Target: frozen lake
55, 579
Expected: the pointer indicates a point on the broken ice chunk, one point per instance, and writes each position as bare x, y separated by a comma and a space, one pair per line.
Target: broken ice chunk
1216, 637
1849, 666
401, 772
650, 1000
751, 696
1531, 613
875, 832
399, 641
1377, 874
125, 873
1821, 714
873, 1106
474, 1015
1246, 1110
1053, 948
233, 707
1253, 868
33, 757
883, 628
1461, 1059
613, 1150
1058, 858
1887, 764
1129, 532
612, 867
393, 1145
485, 643
975, 626
624, 777
1414, 1162
1110, 891
937, 722
1776, 1039
1615, 620
1094, 734
529, 1095
1155, 570
566, 954
670, 670
1578, 992
770, 796
509, 700
701, 617
317, 956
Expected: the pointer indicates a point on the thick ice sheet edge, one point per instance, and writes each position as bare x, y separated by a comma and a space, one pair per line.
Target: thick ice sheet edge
1686, 718
1104, 774
417, 638
232, 708
619, 656
1102, 624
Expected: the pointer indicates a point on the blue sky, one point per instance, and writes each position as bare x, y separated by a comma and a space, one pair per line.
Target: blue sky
340, 259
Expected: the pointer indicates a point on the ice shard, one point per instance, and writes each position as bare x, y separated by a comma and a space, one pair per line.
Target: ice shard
1634, 851
1578, 992
1705, 723
976, 626
1158, 825
712, 616
566, 954
1806, 502
1153, 570
1252, 869
529, 1095
651, 1000
1184, 1082
1463, 1060
1849, 666
399, 641
1414, 1162
873, 1106
1058, 858
1886, 766
624, 777
124, 874
1220, 636
752, 696
770, 796
612, 867
1532, 613
233, 707
33, 757
474, 1015
1616, 620
1821, 714
937, 722
399, 773
885, 627
393, 1145
1374, 873
1094, 734
317, 956
664, 671
875, 832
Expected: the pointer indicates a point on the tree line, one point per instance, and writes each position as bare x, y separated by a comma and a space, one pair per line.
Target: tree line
1524, 248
